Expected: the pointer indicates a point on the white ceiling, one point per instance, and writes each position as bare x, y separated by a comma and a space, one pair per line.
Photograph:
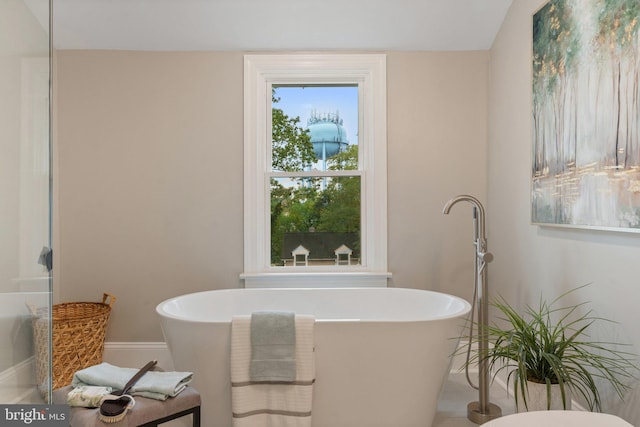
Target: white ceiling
261, 25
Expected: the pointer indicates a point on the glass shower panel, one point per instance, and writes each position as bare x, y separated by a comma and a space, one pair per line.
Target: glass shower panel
25, 197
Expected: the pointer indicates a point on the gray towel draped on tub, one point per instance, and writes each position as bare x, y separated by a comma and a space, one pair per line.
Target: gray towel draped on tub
272, 402
273, 347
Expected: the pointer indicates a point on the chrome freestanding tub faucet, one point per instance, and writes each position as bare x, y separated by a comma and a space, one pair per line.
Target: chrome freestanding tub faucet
483, 410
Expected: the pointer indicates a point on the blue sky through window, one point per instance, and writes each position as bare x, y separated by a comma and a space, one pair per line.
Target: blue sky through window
302, 101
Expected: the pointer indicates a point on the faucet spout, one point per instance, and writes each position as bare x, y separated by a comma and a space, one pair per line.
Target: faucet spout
478, 213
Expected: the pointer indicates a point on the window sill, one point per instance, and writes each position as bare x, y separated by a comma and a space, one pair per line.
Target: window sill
334, 279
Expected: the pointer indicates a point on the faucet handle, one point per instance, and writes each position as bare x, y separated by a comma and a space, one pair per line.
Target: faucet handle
485, 256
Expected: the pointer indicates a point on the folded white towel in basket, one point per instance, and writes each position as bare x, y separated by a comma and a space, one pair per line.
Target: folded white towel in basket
286, 404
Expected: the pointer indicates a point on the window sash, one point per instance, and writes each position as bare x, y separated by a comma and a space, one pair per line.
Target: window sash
369, 72
302, 82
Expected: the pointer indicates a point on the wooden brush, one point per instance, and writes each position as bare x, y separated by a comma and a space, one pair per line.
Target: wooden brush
114, 410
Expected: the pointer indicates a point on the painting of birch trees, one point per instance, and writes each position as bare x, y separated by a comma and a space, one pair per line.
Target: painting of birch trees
586, 114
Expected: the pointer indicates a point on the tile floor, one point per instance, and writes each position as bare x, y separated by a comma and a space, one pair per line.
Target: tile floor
457, 393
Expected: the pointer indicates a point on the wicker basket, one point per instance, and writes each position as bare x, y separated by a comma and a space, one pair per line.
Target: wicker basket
77, 340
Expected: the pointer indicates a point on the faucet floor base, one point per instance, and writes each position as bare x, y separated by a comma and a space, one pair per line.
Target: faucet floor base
475, 415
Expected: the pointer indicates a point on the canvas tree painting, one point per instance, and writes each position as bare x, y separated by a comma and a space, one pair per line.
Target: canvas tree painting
586, 114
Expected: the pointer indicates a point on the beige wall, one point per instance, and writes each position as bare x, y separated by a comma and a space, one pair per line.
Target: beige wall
437, 136
150, 175
150, 179
531, 260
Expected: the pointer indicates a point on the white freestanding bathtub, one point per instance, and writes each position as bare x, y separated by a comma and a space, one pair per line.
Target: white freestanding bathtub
382, 354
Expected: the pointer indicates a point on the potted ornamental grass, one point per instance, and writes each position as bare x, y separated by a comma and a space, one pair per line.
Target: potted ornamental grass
548, 356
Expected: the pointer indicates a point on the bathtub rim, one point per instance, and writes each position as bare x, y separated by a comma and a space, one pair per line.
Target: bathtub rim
466, 306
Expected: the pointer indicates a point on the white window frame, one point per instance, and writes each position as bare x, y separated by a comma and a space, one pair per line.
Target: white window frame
260, 73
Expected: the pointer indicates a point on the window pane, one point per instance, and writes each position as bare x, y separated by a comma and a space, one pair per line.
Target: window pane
319, 217
311, 125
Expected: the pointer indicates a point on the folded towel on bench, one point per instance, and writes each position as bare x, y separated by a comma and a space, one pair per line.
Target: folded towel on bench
157, 385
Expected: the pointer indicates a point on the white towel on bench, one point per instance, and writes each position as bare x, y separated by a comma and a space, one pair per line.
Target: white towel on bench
270, 404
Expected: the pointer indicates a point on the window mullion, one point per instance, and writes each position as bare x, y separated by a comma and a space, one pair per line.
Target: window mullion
314, 174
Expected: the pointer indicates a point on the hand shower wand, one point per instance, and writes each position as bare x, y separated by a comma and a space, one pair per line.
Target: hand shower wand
481, 411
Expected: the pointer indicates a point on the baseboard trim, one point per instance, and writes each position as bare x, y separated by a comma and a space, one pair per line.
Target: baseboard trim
133, 354
459, 361
17, 382
575, 406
